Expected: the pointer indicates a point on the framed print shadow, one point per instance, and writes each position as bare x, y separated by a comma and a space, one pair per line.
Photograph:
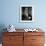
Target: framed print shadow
26, 13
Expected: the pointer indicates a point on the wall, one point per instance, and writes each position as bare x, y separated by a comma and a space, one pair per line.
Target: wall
9, 13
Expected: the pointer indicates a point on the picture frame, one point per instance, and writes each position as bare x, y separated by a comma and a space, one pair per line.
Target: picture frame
26, 13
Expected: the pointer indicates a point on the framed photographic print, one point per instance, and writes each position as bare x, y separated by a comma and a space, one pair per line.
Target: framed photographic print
26, 13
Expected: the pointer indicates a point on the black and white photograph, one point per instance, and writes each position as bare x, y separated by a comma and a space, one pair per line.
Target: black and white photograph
26, 14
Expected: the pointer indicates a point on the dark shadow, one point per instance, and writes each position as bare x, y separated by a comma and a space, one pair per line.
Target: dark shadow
2, 29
